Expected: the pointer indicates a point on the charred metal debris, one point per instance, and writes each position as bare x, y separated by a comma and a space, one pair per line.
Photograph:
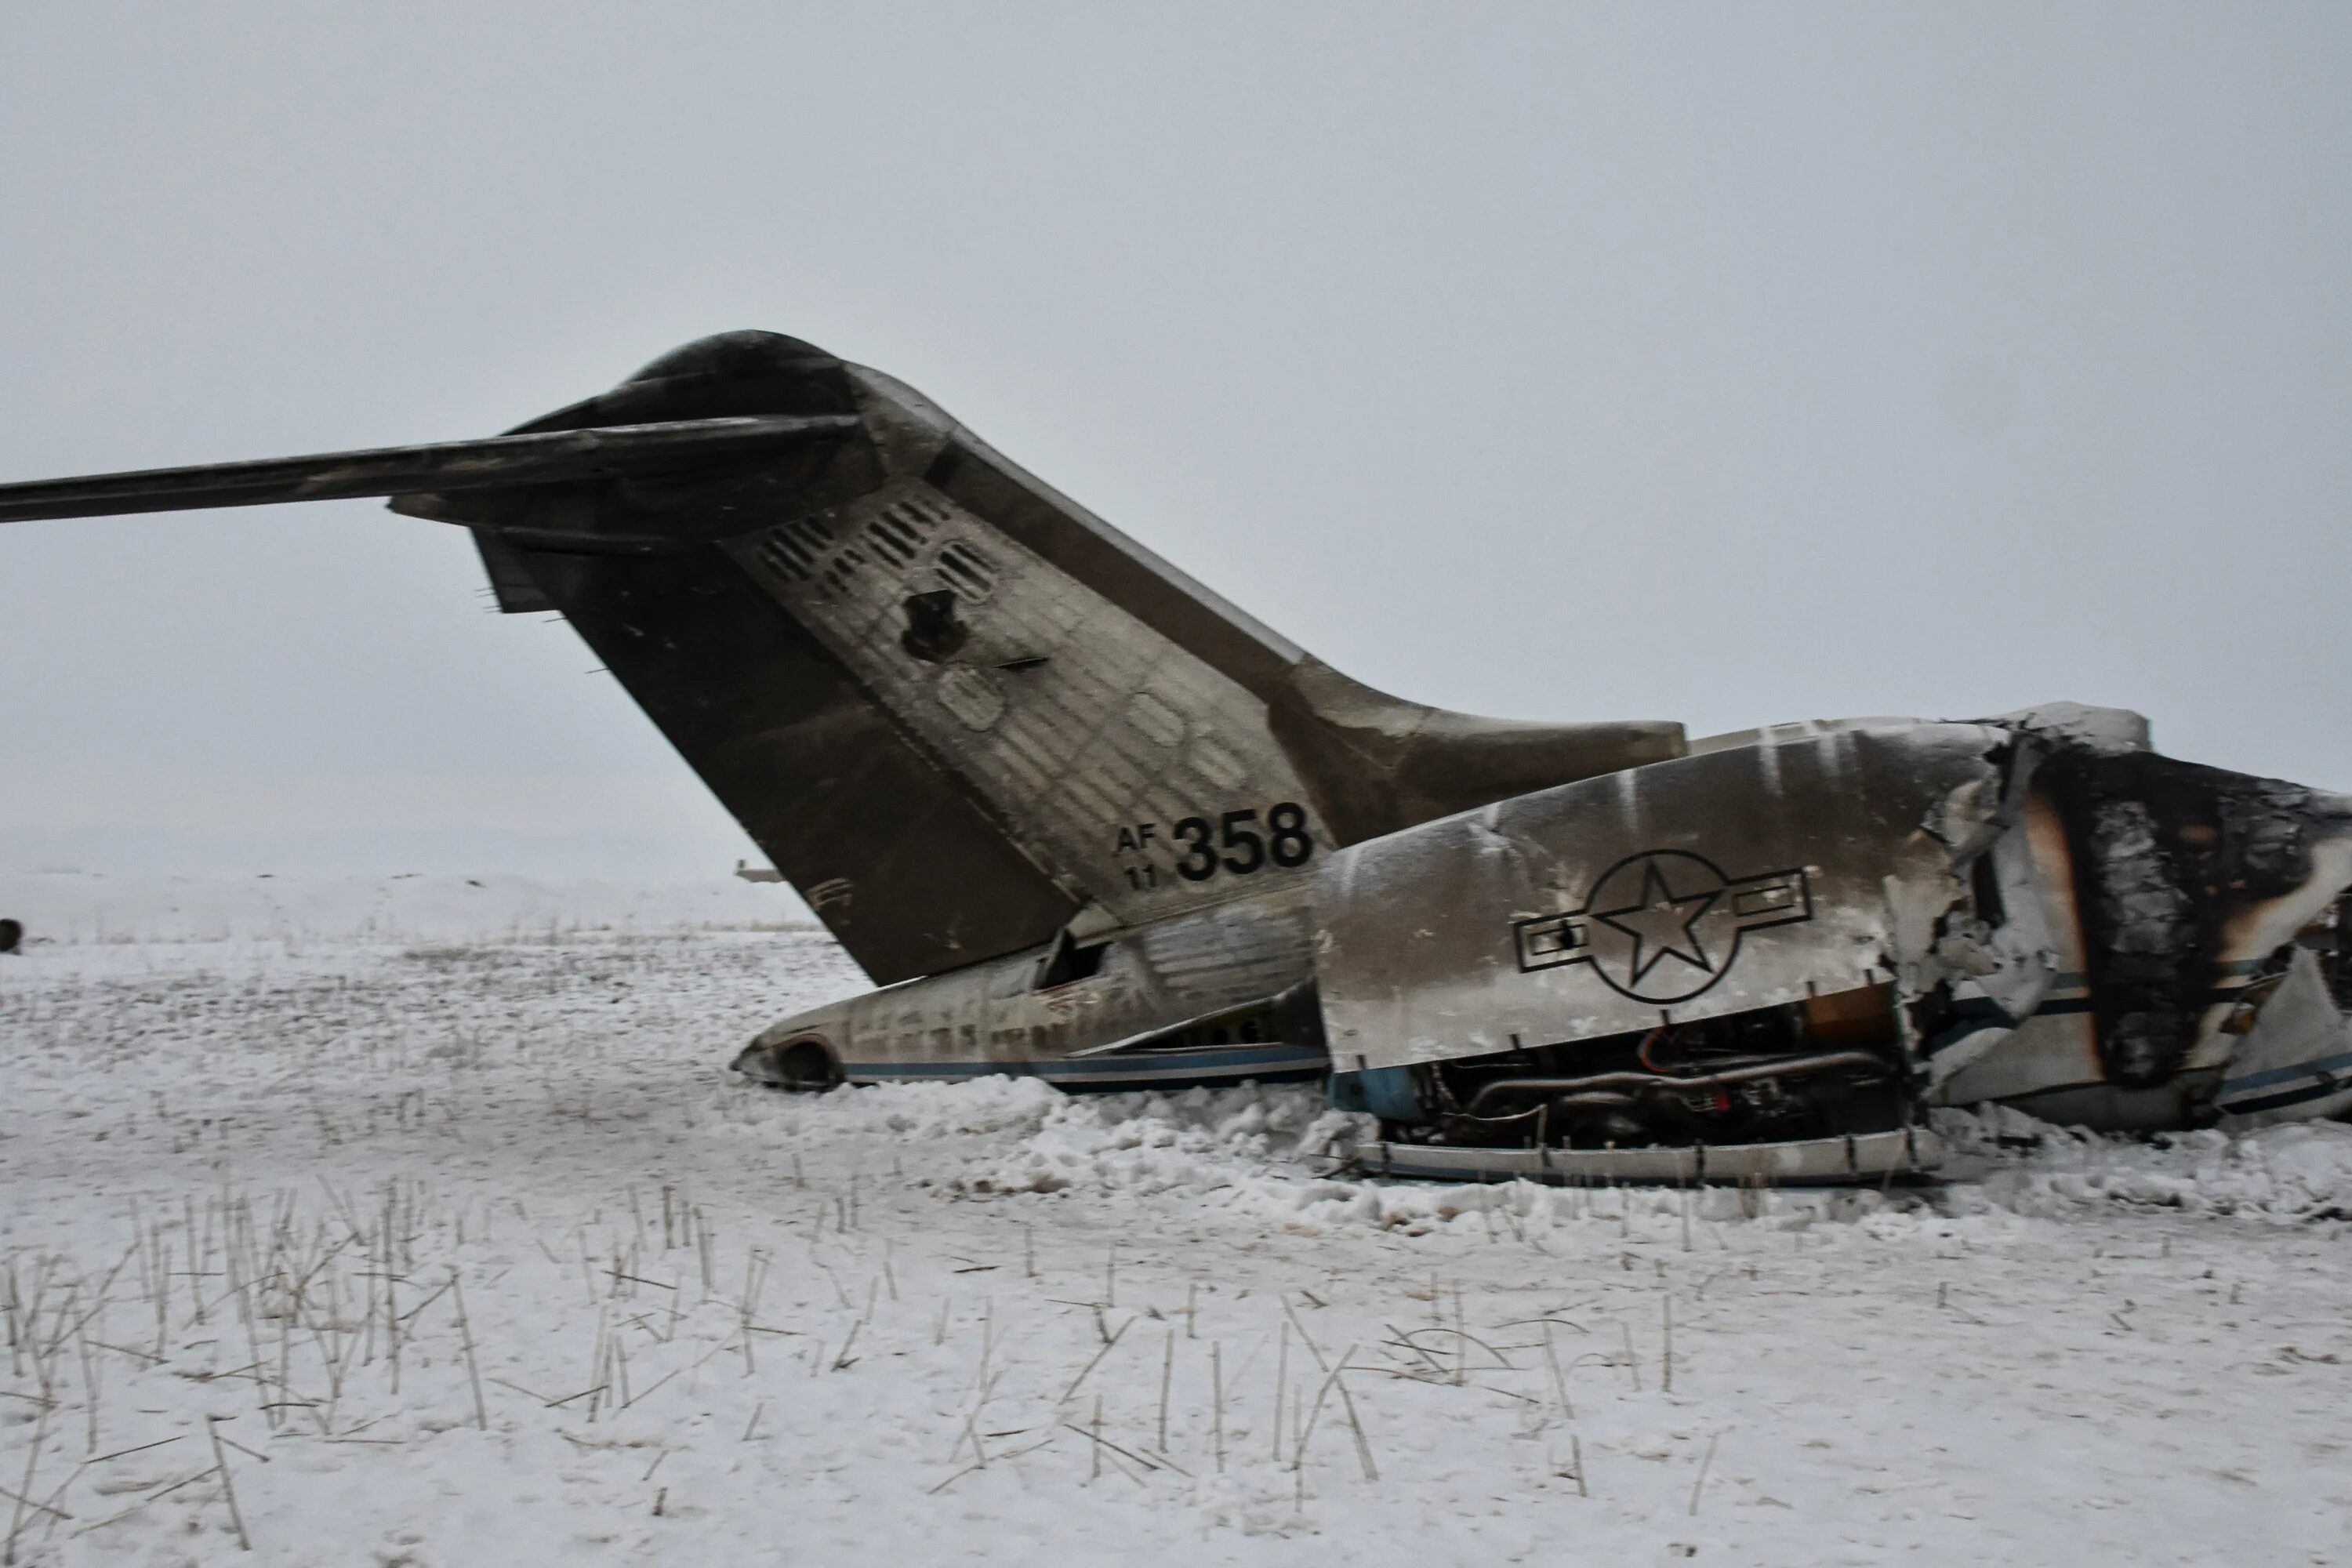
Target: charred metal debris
2035, 909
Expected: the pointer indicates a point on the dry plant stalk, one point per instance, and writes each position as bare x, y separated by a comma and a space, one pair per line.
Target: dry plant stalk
25, 1491
228, 1490
1281, 1378
1307, 1428
1217, 1400
89, 1386
1706, 1460
1167, 1373
1666, 1352
1107, 1345
1355, 1423
465, 1332
1321, 1365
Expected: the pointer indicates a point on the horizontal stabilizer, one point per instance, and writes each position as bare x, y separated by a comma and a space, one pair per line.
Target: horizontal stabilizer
555, 457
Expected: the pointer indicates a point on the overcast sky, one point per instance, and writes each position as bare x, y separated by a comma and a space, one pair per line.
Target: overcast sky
1720, 364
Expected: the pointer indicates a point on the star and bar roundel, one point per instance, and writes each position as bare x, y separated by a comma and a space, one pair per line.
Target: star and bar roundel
1664, 925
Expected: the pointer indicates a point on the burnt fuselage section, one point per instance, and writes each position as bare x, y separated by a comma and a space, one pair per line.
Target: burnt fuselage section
1818, 932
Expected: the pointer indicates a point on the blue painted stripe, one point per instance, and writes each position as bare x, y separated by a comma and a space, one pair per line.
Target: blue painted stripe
2285, 1097
1174, 1065
2283, 1075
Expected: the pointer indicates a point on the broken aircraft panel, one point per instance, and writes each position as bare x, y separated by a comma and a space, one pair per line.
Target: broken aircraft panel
1218, 996
1816, 934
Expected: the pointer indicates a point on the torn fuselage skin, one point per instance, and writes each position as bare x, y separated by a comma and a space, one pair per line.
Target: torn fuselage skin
1215, 996
1815, 932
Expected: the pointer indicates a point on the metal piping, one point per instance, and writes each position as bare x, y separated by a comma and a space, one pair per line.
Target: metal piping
1790, 1067
1596, 1099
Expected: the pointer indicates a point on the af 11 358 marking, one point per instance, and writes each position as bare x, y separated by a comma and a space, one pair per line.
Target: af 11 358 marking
1234, 846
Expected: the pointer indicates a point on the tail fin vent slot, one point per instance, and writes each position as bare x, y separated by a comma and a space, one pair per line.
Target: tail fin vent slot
794, 550
926, 508
967, 570
898, 535
844, 571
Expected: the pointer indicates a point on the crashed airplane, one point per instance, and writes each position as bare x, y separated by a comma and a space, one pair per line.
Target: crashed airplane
1080, 818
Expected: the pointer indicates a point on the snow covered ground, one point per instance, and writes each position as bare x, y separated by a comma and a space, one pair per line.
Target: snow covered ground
464, 1247
83, 907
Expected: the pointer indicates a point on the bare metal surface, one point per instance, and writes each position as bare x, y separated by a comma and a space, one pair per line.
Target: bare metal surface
1161, 978
1872, 1156
1434, 936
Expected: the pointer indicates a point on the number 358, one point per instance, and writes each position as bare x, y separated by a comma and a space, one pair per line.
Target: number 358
1236, 847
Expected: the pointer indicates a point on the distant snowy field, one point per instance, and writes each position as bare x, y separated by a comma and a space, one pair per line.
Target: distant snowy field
435, 1206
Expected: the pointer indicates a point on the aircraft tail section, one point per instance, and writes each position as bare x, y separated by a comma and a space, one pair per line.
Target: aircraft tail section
960, 712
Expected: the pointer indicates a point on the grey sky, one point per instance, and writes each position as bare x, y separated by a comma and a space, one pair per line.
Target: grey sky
1720, 364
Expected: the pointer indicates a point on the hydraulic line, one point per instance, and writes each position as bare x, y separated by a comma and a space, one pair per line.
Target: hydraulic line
1643, 1082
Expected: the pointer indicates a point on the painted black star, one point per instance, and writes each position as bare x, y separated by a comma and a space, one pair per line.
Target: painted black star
1659, 926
